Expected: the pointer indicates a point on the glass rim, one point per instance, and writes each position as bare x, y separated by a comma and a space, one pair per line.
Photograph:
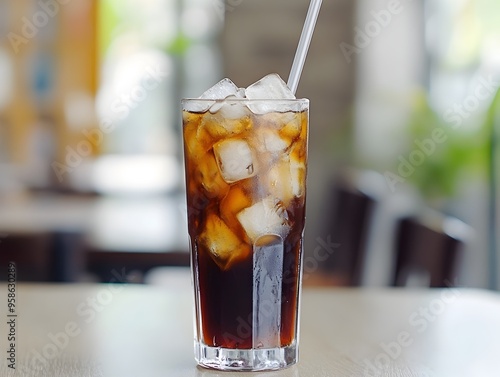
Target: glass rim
256, 106
273, 100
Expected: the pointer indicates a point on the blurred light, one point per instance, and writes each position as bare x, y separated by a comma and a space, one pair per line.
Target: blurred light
142, 174
149, 224
457, 228
6, 78
79, 110
201, 62
125, 74
196, 23
490, 54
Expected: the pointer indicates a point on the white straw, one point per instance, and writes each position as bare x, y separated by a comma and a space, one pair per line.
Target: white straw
305, 40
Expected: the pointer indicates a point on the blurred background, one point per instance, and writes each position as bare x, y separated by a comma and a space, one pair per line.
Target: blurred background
403, 180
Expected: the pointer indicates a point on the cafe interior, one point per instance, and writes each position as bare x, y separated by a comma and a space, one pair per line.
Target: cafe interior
403, 158
403, 177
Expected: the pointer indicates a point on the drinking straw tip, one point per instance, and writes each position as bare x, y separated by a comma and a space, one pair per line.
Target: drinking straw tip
303, 46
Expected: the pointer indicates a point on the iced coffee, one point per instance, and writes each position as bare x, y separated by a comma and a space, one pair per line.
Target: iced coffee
245, 159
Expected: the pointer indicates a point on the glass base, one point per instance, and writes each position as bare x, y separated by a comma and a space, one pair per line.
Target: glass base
245, 359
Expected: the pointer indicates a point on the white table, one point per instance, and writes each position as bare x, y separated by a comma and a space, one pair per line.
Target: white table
117, 330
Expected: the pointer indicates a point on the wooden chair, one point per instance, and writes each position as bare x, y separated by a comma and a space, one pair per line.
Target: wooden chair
67, 256
131, 266
428, 251
43, 256
31, 254
348, 226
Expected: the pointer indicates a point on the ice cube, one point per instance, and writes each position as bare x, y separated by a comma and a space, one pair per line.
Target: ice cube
267, 292
222, 243
275, 120
268, 87
234, 117
223, 89
235, 200
227, 119
196, 140
298, 177
210, 176
235, 160
234, 110
270, 141
267, 217
286, 180
230, 110
216, 107
214, 128
279, 181
241, 93
291, 130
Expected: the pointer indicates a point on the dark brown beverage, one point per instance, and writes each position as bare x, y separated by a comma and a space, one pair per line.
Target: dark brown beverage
245, 179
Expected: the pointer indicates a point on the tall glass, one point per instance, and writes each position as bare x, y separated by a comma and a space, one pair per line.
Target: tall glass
245, 179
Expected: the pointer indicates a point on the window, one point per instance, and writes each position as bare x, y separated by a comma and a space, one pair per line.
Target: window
152, 53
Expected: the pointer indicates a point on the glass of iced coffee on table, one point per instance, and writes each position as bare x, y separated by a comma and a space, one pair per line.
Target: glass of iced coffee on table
246, 157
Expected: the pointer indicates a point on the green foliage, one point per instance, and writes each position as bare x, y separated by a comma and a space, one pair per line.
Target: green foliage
492, 128
460, 152
179, 45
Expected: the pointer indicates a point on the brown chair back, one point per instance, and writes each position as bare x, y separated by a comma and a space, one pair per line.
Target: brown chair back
43, 256
428, 251
348, 226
